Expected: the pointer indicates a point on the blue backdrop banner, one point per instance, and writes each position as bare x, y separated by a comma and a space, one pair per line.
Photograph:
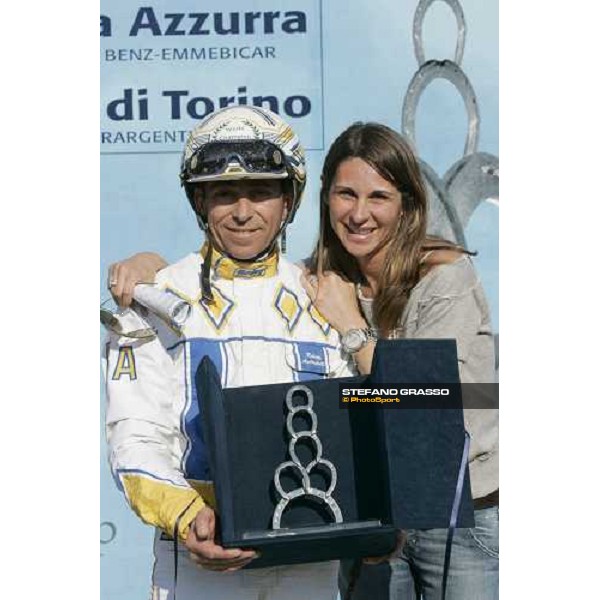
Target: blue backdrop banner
166, 66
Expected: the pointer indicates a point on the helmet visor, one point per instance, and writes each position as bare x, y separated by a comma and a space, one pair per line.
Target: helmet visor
245, 159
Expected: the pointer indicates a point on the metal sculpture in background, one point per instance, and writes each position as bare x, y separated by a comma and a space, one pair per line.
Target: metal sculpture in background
474, 177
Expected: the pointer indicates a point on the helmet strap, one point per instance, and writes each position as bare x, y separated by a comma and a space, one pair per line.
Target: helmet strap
207, 295
201, 223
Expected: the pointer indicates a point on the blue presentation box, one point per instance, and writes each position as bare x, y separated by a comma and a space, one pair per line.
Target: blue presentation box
396, 467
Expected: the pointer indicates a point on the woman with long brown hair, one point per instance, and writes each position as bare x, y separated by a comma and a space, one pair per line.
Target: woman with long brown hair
376, 273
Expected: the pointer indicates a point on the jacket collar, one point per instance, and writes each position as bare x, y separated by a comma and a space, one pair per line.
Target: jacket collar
228, 268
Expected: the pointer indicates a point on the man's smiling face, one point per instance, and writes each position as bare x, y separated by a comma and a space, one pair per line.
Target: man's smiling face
244, 215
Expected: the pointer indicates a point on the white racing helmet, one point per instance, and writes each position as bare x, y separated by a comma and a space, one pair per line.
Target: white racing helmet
243, 142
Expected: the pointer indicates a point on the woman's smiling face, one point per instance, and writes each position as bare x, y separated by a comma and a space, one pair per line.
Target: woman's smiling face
364, 208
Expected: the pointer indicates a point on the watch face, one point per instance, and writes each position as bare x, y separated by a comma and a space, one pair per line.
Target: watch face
354, 340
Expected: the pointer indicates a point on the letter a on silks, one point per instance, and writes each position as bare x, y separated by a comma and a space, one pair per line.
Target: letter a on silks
125, 364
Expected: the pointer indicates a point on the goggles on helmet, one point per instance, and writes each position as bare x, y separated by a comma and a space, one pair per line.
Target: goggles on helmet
252, 159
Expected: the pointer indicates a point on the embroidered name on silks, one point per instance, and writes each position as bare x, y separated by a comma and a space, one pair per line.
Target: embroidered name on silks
311, 358
249, 273
125, 364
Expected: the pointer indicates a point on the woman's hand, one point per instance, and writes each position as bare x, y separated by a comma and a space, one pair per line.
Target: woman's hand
205, 552
335, 298
125, 274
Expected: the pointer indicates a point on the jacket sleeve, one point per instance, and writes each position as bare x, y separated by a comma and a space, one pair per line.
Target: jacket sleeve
453, 306
144, 391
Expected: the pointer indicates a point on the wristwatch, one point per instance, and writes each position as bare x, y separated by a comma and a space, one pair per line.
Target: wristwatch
355, 339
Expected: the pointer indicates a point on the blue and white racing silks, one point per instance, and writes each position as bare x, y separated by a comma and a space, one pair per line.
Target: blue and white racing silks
260, 329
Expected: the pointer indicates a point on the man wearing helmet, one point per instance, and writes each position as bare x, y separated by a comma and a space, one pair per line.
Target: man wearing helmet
243, 173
